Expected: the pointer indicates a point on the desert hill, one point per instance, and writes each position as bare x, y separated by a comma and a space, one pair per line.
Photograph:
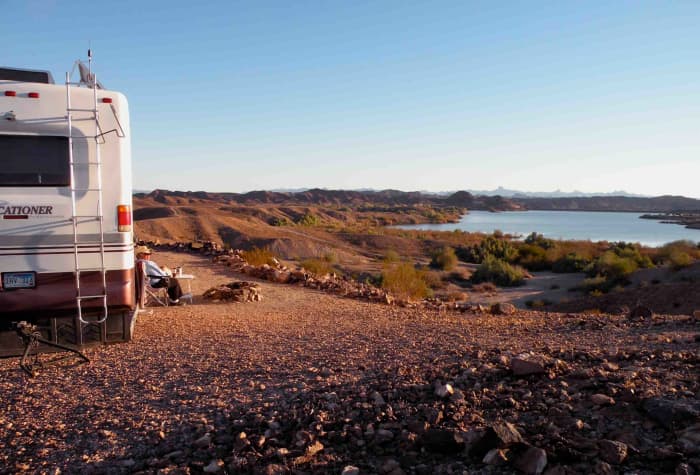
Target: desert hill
465, 199
293, 225
318, 196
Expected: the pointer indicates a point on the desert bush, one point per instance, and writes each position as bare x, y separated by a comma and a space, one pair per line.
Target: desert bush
391, 256
330, 256
444, 258
280, 222
490, 246
598, 283
322, 265
533, 257
309, 219
613, 266
317, 266
678, 260
632, 252
678, 254
571, 262
403, 280
499, 272
258, 257
434, 280
539, 240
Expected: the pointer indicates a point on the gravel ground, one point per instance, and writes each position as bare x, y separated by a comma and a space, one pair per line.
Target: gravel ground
305, 382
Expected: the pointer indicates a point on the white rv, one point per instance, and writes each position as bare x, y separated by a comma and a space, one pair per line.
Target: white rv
66, 239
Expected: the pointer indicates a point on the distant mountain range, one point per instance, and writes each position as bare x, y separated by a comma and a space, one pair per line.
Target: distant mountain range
550, 194
500, 191
459, 199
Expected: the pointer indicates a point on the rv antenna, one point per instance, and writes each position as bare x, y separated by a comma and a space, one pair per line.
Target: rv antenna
86, 76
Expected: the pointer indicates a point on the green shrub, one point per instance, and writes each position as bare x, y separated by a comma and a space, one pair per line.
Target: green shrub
403, 280
679, 260
533, 257
678, 254
539, 241
570, 263
309, 219
258, 257
632, 252
499, 272
280, 222
444, 258
490, 246
598, 283
613, 266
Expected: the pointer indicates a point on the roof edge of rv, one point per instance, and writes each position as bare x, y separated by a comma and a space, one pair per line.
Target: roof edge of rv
26, 75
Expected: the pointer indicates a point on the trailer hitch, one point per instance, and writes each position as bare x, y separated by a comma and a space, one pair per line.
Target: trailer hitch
31, 337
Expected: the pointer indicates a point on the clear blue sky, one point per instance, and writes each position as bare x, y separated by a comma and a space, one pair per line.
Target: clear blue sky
542, 95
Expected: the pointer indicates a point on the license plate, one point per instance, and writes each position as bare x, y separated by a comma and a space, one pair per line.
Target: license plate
18, 280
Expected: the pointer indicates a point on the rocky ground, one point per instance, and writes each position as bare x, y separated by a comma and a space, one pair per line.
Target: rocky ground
308, 382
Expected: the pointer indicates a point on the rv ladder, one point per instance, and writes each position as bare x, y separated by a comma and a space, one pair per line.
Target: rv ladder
96, 164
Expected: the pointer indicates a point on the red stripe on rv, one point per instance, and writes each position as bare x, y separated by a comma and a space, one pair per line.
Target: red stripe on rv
15, 216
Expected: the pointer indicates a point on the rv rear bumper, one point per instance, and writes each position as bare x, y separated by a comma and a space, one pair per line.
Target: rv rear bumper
55, 294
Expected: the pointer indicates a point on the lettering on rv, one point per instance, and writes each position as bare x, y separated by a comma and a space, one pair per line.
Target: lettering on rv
25, 210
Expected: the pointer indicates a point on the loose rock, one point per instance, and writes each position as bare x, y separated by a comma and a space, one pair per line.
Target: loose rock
612, 451
524, 367
602, 400
532, 461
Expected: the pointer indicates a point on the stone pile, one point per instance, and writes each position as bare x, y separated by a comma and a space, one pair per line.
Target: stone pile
282, 274
238, 291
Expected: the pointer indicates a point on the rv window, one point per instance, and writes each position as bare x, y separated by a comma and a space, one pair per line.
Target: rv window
27, 160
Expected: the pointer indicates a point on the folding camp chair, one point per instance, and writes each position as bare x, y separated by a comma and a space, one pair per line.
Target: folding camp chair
150, 295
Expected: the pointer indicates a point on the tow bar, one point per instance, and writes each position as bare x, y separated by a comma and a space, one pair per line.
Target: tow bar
31, 337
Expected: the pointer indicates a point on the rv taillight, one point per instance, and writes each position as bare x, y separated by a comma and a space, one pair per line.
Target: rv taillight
33, 95
107, 100
11, 93
123, 218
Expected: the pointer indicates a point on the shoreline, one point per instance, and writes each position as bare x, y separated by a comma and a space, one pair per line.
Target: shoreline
688, 220
550, 228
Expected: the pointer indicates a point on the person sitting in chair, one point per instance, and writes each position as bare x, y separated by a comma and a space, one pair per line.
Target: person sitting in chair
158, 277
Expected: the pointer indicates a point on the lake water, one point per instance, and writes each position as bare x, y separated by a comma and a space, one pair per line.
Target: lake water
596, 226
